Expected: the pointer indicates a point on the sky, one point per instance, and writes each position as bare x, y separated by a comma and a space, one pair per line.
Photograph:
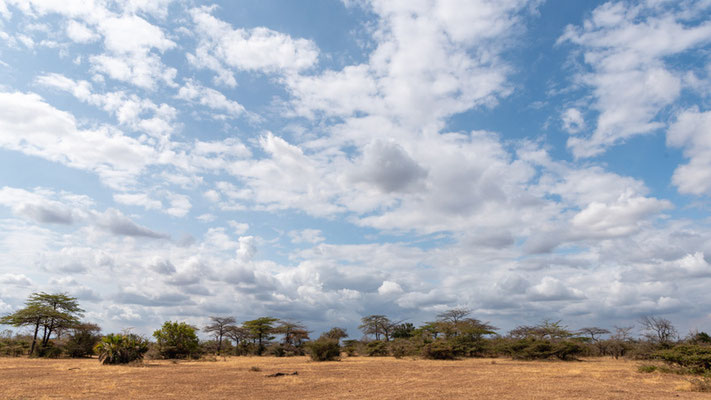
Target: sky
320, 161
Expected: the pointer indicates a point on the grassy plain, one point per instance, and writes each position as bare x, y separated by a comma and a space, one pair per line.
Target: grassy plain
351, 378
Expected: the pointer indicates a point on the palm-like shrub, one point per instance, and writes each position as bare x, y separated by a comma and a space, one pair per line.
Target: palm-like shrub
121, 348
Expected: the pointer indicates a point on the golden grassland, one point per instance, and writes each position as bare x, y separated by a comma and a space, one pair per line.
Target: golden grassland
350, 378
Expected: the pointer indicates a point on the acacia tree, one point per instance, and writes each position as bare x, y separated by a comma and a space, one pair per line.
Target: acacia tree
335, 333
376, 325
219, 328
658, 330
260, 329
295, 333
595, 333
49, 311
237, 334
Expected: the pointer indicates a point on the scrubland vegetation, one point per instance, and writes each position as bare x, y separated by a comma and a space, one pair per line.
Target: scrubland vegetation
54, 330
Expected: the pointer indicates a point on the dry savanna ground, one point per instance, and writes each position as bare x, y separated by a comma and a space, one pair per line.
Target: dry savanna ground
351, 378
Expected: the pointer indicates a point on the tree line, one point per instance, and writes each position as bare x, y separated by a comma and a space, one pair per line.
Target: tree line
56, 329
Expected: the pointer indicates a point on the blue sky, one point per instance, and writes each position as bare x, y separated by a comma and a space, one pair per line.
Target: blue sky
325, 160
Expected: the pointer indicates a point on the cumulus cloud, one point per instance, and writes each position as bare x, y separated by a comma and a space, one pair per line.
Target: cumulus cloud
115, 222
388, 167
691, 132
15, 279
80, 33
45, 206
130, 110
138, 199
573, 121
626, 47
193, 91
259, 49
389, 288
36, 128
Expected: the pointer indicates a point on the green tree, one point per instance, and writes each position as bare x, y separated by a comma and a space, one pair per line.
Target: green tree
219, 328
177, 340
260, 329
49, 311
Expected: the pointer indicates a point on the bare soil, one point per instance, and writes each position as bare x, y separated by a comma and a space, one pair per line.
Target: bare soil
351, 378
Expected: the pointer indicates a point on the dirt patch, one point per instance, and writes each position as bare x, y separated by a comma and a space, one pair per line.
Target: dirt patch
351, 378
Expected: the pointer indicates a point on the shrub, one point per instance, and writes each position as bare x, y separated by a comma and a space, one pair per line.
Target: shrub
647, 368
697, 359
700, 384
400, 348
82, 341
324, 350
177, 340
440, 349
351, 347
121, 348
536, 349
284, 350
49, 350
377, 348
568, 350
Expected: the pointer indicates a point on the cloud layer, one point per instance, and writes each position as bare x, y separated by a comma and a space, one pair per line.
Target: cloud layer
177, 163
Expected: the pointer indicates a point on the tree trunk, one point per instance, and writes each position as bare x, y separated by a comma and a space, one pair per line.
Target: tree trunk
34, 338
49, 333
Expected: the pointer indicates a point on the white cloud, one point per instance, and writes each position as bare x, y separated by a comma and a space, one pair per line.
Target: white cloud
573, 121
257, 49
36, 128
80, 33
15, 279
626, 46
389, 288
130, 110
179, 205
306, 236
388, 167
193, 91
692, 132
138, 199
433, 60
115, 222
206, 217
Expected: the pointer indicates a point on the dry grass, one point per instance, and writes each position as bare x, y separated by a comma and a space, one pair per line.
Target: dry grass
351, 378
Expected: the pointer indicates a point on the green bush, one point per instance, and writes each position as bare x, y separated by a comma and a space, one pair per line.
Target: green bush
377, 348
536, 349
49, 350
285, 350
82, 341
121, 348
400, 348
440, 349
647, 368
177, 340
567, 350
697, 359
351, 347
324, 349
